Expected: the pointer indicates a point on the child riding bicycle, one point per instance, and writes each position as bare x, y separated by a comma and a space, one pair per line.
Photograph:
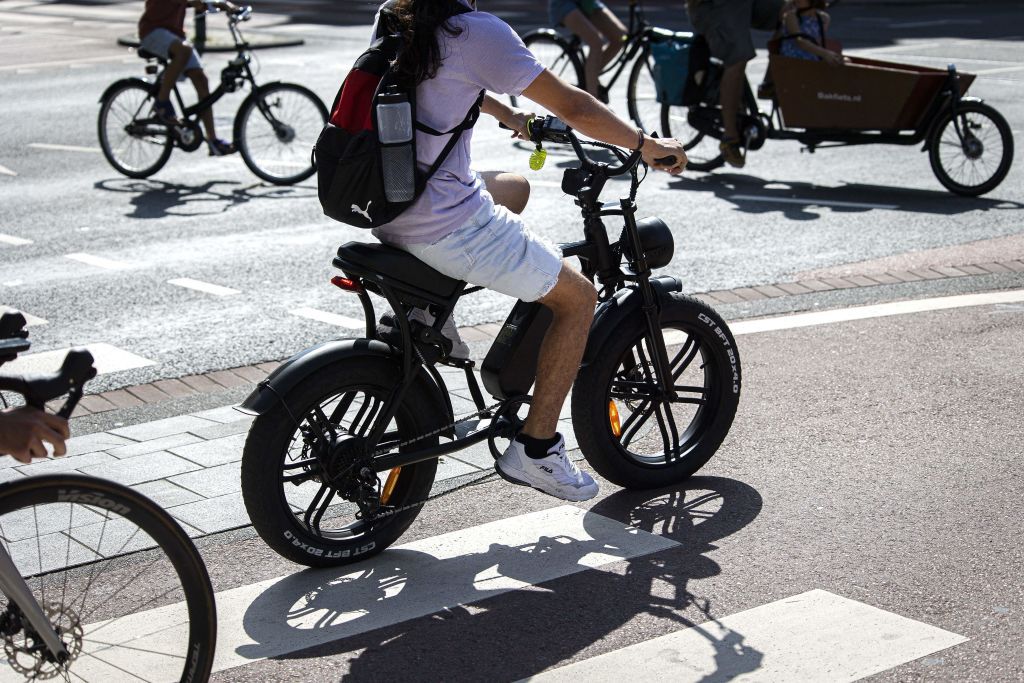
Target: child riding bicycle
596, 26
162, 32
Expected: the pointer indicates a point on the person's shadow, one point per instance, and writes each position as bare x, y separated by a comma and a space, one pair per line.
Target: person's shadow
441, 618
157, 199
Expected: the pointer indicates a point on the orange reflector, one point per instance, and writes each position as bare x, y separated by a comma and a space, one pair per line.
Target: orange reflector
613, 417
347, 284
389, 485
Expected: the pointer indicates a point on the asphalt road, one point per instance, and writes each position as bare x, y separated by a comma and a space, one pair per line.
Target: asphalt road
873, 459
211, 220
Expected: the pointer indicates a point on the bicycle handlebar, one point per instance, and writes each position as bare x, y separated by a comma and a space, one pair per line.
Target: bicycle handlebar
37, 389
552, 129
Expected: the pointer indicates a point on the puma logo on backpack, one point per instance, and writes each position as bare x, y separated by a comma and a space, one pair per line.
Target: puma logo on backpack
348, 153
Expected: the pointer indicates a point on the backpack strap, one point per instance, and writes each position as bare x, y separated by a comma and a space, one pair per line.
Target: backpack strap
456, 134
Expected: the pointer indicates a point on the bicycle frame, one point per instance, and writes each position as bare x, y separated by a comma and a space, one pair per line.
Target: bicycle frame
16, 589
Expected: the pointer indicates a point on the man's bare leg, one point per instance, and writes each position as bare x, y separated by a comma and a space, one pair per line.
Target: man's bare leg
572, 303
510, 190
731, 95
202, 86
180, 53
596, 43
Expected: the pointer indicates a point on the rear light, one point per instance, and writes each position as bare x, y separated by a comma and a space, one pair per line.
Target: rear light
348, 284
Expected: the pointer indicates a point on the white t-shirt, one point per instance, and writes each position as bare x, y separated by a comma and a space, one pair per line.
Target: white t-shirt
486, 55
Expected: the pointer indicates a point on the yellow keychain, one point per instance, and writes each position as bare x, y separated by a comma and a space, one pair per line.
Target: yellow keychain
539, 155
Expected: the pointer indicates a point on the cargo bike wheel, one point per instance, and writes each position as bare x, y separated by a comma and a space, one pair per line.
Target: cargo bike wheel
628, 432
971, 151
322, 507
702, 152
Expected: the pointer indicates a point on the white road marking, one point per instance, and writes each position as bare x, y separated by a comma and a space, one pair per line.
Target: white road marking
201, 286
106, 358
330, 318
810, 202
13, 241
272, 618
30, 320
6, 171
934, 22
999, 70
65, 62
839, 315
98, 261
814, 636
63, 148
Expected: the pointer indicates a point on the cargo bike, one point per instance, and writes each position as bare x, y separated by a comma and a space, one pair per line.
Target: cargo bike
864, 101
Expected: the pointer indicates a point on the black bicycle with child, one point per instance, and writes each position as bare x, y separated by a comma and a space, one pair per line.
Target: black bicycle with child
275, 127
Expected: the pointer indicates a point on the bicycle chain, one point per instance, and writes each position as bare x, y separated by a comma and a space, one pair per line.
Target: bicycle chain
471, 482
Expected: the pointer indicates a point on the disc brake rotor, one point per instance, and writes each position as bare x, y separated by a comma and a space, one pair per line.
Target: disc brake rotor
27, 654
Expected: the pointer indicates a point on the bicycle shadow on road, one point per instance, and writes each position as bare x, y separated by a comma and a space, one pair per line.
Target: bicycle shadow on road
158, 199
537, 624
796, 200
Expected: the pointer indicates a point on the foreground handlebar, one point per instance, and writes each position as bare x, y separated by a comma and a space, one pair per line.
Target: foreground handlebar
552, 129
37, 389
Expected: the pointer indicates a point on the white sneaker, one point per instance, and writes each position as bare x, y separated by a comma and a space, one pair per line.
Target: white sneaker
460, 349
554, 474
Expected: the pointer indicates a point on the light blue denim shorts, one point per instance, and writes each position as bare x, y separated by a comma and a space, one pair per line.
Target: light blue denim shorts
159, 41
496, 250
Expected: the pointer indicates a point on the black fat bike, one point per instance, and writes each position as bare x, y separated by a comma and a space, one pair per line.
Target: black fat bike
274, 130
344, 448
97, 583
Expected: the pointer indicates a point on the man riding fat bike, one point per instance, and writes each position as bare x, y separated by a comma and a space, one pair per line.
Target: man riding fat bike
462, 224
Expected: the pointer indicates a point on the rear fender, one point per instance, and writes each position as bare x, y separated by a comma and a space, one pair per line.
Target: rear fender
313, 360
626, 303
117, 85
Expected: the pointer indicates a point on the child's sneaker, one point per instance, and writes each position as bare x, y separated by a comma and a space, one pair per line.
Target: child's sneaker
554, 474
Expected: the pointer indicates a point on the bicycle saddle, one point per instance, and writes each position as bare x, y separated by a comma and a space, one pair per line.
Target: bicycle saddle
146, 54
370, 259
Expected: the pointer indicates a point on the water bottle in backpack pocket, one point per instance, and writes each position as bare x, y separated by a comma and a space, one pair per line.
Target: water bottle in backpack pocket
398, 153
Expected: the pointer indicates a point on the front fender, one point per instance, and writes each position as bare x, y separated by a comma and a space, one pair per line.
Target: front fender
610, 315
117, 85
313, 360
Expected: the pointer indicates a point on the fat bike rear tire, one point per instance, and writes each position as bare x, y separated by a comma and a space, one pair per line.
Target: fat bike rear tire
639, 442
280, 477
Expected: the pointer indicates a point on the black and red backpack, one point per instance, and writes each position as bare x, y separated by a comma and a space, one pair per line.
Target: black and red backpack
348, 154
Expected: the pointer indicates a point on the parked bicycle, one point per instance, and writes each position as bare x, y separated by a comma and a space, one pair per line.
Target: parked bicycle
275, 127
343, 451
98, 583
564, 57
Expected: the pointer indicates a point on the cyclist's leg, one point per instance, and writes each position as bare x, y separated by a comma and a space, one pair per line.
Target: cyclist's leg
613, 29
179, 52
577, 22
202, 86
572, 302
510, 190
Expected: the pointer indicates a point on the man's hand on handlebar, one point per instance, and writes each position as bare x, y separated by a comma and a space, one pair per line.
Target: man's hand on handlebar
656, 149
23, 431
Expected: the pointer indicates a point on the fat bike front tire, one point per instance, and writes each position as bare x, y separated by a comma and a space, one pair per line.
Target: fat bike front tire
626, 431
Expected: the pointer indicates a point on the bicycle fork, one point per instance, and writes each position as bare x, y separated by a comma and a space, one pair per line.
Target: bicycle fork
14, 587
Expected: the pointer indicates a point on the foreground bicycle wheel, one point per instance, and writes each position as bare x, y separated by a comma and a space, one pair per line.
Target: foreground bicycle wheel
134, 143
311, 506
121, 582
628, 432
275, 130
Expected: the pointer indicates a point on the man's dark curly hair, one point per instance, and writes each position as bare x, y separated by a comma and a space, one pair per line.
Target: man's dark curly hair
420, 22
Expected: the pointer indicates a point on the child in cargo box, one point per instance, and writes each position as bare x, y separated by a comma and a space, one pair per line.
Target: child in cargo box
804, 27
